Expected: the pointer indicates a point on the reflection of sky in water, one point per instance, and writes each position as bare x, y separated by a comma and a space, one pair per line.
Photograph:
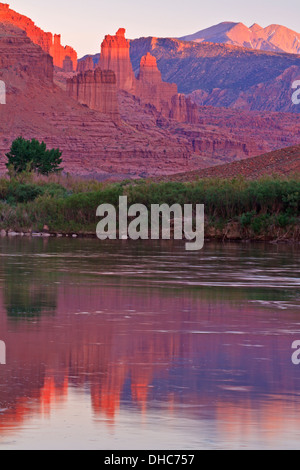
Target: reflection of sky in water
136, 345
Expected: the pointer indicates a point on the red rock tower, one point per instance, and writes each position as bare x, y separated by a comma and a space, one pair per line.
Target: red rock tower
85, 64
115, 56
67, 64
149, 72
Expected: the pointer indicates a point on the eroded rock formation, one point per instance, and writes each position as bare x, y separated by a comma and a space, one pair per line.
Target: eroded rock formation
96, 89
245, 79
115, 56
148, 86
164, 96
85, 64
49, 43
68, 64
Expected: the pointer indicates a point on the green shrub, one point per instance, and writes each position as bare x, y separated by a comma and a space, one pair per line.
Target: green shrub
32, 155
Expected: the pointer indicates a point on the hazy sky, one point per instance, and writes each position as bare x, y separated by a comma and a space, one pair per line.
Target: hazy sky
83, 23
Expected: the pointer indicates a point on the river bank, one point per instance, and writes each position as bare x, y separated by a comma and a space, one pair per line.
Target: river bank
266, 209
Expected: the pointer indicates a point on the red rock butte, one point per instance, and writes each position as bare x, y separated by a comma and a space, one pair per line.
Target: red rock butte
47, 41
148, 87
115, 56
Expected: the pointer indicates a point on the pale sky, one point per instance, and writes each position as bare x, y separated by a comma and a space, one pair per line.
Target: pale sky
84, 23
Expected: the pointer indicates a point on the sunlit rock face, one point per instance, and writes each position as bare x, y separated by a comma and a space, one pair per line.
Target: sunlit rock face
47, 41
148, 86
151, 89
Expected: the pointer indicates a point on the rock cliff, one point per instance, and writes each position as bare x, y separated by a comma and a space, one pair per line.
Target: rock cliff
151, 89
115, 57
143, 142
85, 64
47, 41
148, 87
96, 89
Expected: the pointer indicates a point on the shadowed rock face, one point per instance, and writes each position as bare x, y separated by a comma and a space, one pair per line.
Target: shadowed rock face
20, 57
164, 96
67, 64
85, 64
47, 41
96, 89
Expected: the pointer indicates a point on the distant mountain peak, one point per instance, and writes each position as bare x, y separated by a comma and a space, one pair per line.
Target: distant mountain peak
255, 27
274, 37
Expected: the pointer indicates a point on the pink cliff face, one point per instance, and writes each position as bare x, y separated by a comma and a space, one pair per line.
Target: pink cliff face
148, 86
49, 43
85, 65
115, 57
68, 64
149, 71
97, 90
112, 132
151, 89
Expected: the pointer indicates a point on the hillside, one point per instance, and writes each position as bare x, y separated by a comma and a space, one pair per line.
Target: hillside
282, 162
91, 142
224, 75
272, 38
142, 141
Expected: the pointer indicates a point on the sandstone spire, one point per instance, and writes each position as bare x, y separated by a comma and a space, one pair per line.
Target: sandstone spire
149, 72
115, 57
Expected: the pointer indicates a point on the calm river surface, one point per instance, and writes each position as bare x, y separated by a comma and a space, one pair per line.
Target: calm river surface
129, 345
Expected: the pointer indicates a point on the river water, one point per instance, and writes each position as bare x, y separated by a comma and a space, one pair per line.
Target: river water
135, 345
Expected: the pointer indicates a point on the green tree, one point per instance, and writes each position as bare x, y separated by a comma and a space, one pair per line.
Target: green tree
32, 155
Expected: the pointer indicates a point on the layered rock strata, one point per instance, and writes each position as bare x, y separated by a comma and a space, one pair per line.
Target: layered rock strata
47, 41
97, 90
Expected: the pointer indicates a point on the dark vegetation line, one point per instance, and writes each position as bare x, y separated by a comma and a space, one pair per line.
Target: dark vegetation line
268, 208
